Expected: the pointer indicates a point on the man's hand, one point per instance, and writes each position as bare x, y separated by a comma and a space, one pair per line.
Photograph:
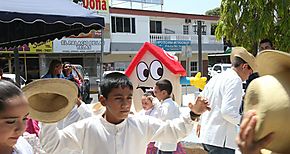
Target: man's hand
79, 102
245, 139
201, 105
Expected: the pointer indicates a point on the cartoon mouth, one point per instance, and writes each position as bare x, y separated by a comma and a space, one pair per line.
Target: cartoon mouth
146, 89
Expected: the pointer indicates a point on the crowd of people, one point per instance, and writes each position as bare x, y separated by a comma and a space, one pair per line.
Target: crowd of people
225, 126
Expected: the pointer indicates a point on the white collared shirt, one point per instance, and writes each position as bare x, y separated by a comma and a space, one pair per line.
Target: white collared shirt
167, 111
96, 135
219, 127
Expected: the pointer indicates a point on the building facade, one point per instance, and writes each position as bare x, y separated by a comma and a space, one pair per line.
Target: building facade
174, 32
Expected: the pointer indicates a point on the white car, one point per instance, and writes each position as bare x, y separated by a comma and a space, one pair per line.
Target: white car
13, 77
219, 68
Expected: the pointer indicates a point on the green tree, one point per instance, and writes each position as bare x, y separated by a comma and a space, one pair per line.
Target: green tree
213, 12
246, 22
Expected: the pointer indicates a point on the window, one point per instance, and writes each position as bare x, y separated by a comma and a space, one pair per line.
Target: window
203, 28
193, 67
123, 25
155, 27
185, 29
213, 28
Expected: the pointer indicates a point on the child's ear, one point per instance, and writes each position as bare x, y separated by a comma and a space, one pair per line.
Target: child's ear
102, 100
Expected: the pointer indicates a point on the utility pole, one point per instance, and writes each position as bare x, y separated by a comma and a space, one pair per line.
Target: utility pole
199, 43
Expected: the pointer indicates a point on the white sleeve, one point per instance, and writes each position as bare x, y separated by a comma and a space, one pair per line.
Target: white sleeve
170, 131
56, 141
231, 101
84, 111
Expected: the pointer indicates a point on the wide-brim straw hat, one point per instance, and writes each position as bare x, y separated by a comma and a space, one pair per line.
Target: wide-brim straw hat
50, 100
269, 95
98, 108
245, 55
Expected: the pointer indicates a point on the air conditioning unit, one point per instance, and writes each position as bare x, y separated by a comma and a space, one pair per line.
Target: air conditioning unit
187, 21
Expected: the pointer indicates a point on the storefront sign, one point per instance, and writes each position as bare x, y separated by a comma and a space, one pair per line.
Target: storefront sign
172, 45
42, 47
80, 45
97, 5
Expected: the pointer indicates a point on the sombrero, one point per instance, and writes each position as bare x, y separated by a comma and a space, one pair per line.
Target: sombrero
269, 95
245, 55
50, 100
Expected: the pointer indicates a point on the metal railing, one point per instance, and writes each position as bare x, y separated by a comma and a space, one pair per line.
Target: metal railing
206, 39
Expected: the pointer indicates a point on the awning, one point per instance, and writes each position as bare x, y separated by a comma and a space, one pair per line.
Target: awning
24, 21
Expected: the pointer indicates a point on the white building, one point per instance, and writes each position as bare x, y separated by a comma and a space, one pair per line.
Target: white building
130, 28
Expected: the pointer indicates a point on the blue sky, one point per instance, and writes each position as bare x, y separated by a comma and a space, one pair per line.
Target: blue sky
180, 6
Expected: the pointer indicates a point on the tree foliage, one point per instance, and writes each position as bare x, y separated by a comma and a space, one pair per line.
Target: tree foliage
213, 12
246, 22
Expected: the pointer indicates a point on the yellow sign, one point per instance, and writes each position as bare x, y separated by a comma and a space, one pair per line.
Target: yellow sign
101, 6
41, 47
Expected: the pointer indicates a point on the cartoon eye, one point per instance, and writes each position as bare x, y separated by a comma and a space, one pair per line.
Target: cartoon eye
142, 71
156, 70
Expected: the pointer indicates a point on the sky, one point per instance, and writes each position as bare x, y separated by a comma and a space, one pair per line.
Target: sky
180, 6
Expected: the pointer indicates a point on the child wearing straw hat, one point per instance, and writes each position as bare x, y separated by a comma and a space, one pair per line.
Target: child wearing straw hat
13, 115
115, 131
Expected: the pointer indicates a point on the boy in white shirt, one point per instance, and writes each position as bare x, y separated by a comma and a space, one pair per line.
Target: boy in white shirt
168, 110
115, 132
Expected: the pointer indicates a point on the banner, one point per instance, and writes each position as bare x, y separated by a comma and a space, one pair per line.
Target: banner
172, 45
80, 45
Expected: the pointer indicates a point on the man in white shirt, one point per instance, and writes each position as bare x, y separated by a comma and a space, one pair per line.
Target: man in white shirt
167, 111
219, 127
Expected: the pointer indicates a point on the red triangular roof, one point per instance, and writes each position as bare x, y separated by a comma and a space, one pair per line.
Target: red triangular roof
166, 59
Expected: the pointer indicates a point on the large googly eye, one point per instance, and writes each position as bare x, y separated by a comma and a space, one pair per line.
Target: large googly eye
142, 71
156, 70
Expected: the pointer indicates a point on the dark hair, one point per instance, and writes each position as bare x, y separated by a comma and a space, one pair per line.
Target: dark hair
164, 85
237, 61
267, 41
52, 65
149, 96
63, 70
114, 80
7, 90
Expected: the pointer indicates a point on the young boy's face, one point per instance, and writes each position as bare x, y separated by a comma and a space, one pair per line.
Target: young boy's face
160, 94
117, 104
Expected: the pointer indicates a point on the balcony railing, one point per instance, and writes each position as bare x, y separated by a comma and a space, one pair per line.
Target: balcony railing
206, 39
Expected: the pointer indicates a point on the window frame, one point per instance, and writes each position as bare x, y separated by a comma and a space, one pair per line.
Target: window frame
128, 25
155, 29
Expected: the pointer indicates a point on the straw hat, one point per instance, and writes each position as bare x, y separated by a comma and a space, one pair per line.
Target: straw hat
98, 108
269, 95
50, 100
245, 55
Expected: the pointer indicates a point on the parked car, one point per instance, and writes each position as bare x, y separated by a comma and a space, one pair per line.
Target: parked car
85, 86
219, 68
13, 77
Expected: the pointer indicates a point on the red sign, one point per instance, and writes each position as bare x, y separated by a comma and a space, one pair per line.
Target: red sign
100, 5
